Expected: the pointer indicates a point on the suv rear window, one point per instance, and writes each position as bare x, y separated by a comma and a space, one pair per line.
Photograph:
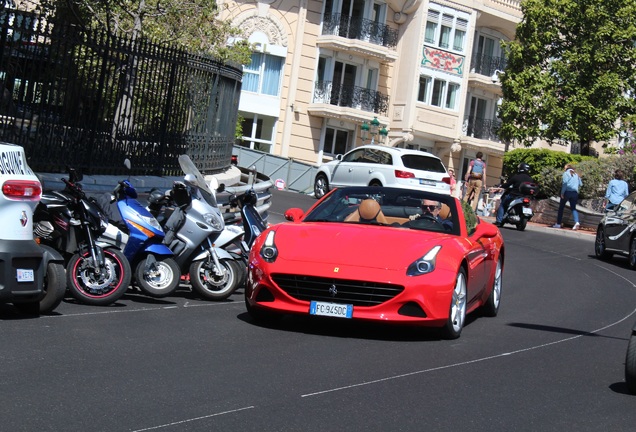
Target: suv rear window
423, 163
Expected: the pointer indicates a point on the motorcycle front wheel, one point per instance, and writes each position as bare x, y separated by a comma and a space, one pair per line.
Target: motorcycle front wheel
98, 287
212, 286
159, 281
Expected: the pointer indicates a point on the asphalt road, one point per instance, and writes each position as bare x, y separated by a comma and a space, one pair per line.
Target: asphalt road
552, 360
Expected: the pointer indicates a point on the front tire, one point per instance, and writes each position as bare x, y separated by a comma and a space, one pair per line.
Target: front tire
161, 280
491, 307
630, 365
600, 248
262, 316
98, 289
321, 186
54, 287
211, 286
457, 312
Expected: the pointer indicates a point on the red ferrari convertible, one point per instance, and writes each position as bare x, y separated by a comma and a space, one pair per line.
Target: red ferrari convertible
379, 254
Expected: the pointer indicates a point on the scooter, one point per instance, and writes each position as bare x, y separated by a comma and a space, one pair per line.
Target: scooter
70, 222
238, 239
192, 221
518, 211
137, 233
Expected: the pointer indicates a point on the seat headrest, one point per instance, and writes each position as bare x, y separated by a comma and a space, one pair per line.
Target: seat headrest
369, 209
444, 211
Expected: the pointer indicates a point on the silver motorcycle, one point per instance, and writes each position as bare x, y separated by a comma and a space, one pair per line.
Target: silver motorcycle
192, 222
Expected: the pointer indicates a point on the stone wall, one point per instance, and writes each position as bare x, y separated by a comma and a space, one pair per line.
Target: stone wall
545, 211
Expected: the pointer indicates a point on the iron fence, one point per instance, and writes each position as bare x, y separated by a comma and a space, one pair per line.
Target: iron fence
87, 98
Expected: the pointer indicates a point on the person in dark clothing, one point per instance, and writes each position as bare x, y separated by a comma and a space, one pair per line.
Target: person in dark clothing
512, 186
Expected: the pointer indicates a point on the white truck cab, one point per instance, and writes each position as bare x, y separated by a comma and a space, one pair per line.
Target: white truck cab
22, 267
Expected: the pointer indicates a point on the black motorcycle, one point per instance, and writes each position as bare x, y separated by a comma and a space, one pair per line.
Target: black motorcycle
71, 222
518, 211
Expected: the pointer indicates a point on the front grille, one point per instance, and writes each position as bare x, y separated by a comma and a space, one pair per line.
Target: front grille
354, 292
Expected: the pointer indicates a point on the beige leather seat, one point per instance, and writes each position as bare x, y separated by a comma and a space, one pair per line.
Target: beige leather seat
444, 211
368, 211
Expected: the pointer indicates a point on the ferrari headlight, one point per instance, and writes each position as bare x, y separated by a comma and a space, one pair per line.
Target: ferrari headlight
268, 250
213, 220
424, 265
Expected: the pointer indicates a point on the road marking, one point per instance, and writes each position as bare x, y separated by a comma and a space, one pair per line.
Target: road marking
192, 419
141, 310
519, 351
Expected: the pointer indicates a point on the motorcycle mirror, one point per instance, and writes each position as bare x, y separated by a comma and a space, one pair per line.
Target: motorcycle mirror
252, 175
127, 163
214, 183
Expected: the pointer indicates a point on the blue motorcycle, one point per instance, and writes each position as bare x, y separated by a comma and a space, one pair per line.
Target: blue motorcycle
140, 237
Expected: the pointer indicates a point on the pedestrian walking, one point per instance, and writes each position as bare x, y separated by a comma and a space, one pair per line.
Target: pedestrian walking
570, 184
617, 190
475, 177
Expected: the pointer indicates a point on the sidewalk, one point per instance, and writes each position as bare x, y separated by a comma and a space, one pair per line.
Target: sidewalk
584, 234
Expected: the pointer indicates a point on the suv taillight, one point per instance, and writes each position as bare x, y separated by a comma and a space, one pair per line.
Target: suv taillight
446, 180
22, 190
404, 174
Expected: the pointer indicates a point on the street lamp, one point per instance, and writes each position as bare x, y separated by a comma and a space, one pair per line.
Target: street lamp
370, 128
364, 131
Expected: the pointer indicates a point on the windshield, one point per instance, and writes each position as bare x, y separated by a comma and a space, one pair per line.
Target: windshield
188, 167
391, 207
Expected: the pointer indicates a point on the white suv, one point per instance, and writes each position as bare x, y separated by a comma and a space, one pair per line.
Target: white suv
377, 165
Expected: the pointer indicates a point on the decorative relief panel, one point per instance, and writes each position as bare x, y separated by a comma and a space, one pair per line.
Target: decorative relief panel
444, 61
274, 30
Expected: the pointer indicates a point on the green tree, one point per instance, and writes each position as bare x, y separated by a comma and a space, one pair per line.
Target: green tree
190, 24
570, 75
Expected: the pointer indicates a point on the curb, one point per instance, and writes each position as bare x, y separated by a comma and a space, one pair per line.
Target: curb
568, 232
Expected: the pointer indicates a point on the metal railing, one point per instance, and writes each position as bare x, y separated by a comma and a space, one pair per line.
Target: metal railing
351, 96
350, 27
481, 128
487, 65
284, 173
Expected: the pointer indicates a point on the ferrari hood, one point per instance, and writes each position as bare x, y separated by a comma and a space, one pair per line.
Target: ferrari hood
357, 245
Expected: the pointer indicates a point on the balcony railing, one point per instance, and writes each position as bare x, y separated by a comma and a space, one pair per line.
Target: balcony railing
487, 65
480, 128
351, 96
359, 28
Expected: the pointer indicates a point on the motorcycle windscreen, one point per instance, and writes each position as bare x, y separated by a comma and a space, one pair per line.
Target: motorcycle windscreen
188, 167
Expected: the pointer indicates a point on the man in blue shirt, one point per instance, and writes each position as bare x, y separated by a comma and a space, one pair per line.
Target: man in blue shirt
570, 184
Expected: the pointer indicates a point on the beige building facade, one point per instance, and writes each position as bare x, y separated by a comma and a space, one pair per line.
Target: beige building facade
425, 71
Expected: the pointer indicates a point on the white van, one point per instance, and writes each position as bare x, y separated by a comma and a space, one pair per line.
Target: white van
23, 264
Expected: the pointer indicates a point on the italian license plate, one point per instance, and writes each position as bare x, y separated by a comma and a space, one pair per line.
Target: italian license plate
25, 275
527, 211
331, 309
